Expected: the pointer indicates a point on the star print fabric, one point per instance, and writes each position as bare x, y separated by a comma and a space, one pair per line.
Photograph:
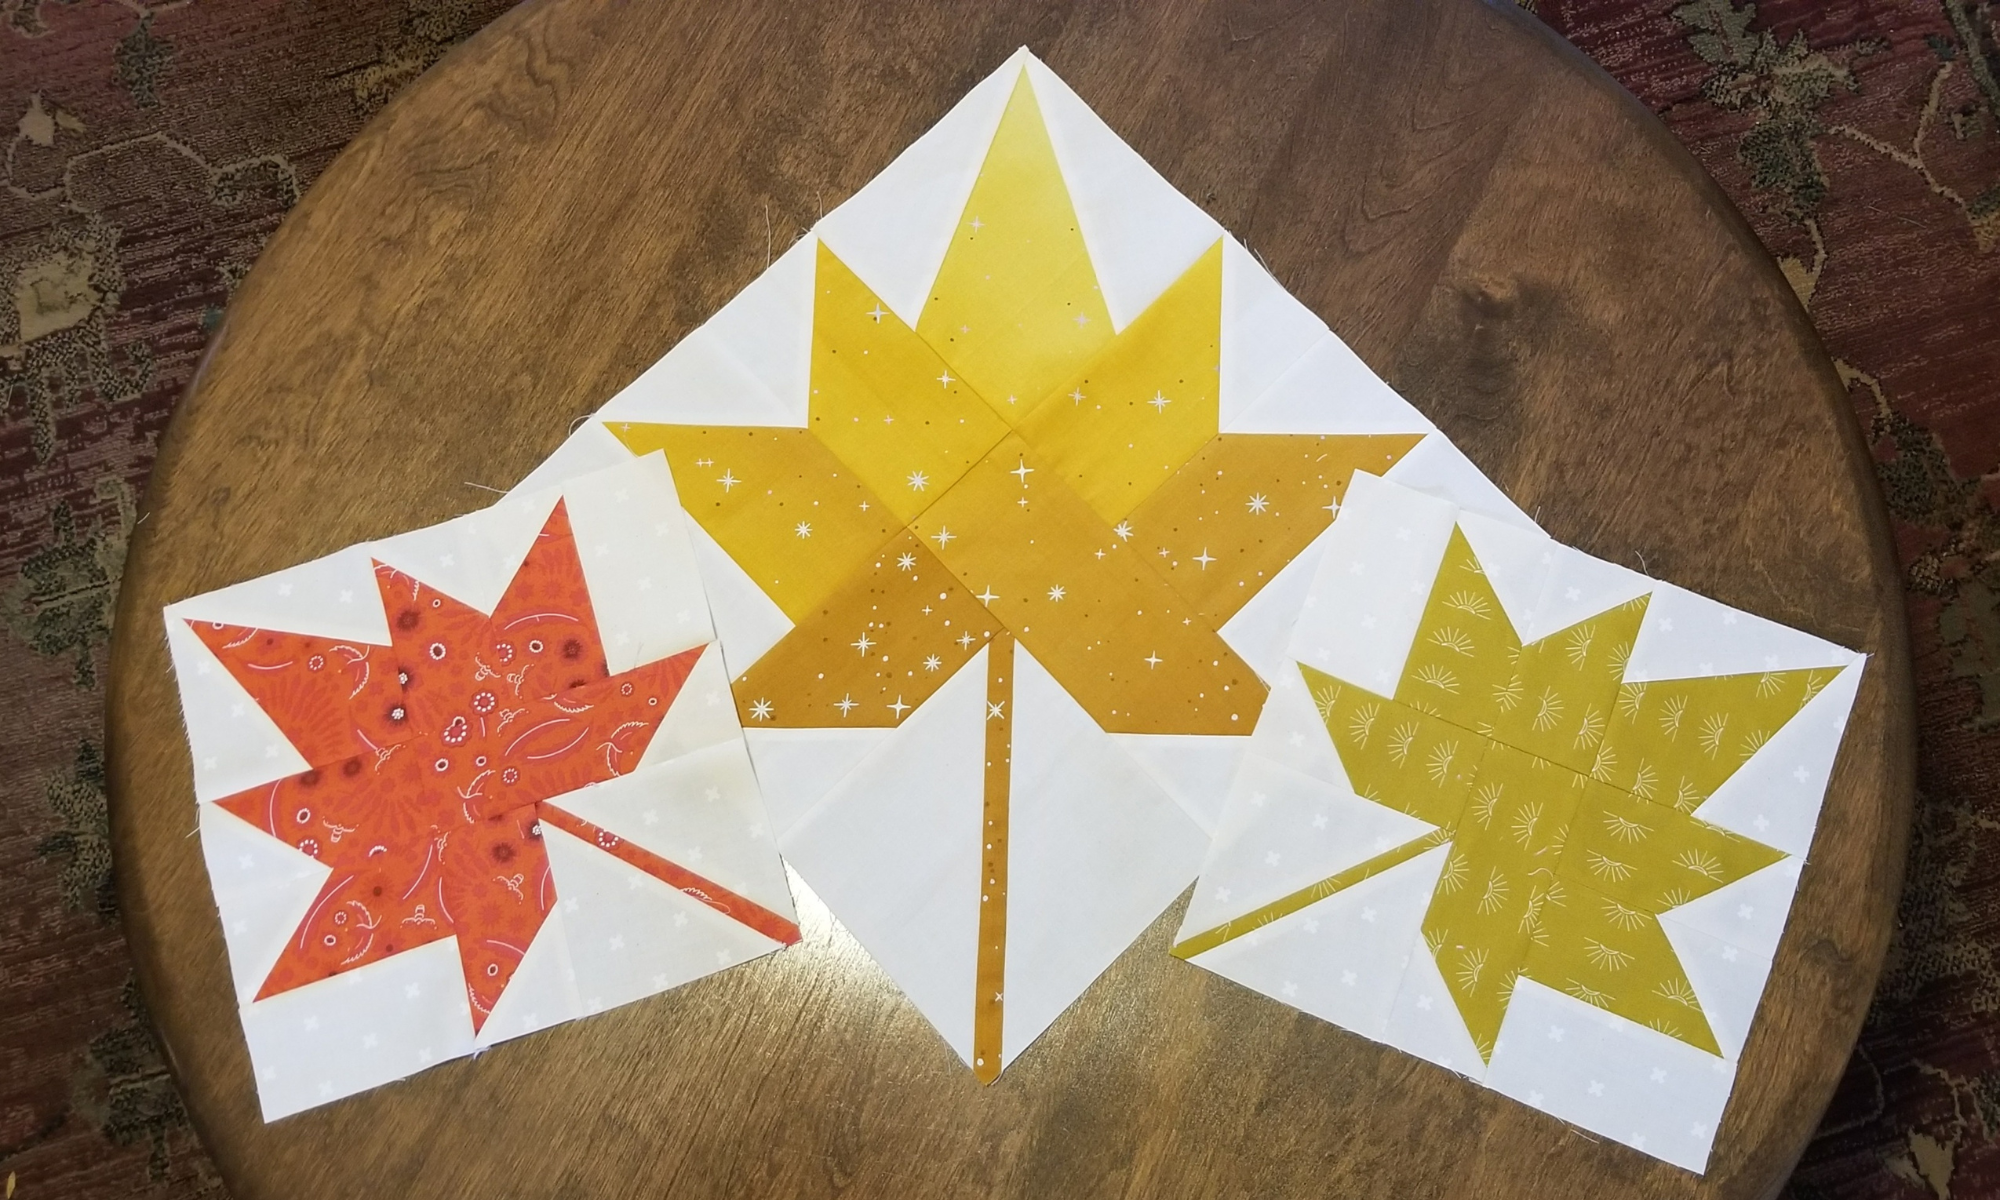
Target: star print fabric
1542, 828
1007, 479
520, 793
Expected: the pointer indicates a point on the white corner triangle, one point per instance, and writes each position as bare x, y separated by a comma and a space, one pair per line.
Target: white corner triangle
632, 542
239, 855
1614, 1077
1265, 331
1517, 563
1686, 635
1095, 850
796, 768
1291, 733
747, 622
749, 364
263, 889
1748, 913
1437, 467
541, 993
1579, 586
360, 1029
699, 382
1142, 233
1282, 832
894, 232
702, 715
1341, 959
1260, 630
700, 811
1775, 798
234, 743
471, 558
1381, 558
1424, 1021
1194, 769
631, 935
1328, 389
504, 531
589, 447
894, 851
768, 327
1727, 981
332, 597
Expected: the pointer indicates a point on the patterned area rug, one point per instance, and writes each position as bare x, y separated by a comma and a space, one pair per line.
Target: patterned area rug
1862, 140
156, 145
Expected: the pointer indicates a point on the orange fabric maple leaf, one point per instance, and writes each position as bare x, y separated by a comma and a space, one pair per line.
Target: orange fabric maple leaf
433, 762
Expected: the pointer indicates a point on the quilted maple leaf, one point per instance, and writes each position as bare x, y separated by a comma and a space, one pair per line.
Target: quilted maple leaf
434, 761
1011, 468
1567, 794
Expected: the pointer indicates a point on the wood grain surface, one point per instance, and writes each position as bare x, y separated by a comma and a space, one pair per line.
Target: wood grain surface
1485, 217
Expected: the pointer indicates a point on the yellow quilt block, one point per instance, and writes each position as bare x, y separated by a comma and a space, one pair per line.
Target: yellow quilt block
1017, 410
1015, 433
1571, 800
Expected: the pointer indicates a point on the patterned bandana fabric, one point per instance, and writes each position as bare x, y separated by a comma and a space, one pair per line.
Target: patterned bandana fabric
1862, 142
434, 761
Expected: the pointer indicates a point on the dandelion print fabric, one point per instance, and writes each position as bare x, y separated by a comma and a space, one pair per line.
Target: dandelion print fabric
1526, 814
467, 783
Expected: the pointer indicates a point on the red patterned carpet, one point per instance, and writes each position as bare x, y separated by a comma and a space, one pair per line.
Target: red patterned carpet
157, 143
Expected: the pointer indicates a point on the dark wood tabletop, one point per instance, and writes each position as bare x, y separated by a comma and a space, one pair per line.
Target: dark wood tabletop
1485, 217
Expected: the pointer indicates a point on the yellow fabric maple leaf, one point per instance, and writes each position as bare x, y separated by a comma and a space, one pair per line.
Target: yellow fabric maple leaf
1565, 792
1011, 469
1012, 462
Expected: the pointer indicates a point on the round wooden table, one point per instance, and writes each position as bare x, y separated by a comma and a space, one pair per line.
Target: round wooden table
1488, 220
